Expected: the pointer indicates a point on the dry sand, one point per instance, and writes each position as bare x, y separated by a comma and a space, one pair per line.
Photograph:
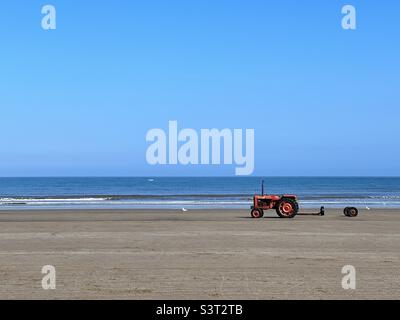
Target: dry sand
199, 254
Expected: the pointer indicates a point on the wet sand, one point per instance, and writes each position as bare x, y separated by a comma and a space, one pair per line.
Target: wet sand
199, 254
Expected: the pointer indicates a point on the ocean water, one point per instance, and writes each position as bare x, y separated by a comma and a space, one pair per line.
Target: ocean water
194, 192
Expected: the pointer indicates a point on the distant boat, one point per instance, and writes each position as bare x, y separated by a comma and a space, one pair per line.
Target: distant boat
151, 180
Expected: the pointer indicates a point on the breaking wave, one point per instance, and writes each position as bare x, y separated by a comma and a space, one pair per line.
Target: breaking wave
189, 201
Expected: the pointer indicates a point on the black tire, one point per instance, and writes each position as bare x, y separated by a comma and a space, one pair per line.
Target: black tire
257, 213
352, 212
293, 203
346, 211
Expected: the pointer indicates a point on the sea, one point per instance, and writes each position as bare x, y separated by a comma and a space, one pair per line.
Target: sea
193, 192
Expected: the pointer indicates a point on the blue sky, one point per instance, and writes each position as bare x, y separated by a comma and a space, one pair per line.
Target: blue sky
78, 100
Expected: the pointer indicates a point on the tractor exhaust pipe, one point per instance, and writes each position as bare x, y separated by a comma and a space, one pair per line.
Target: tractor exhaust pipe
262, 187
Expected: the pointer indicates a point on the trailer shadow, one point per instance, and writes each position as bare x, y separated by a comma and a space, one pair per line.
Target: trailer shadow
259, 218
276, 217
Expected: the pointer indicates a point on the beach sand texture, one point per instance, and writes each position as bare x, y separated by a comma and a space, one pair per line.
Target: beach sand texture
198, 254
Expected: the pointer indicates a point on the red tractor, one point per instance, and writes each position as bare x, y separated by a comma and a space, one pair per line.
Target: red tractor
286, 205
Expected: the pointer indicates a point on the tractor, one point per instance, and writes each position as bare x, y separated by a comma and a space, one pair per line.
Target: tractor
286, 205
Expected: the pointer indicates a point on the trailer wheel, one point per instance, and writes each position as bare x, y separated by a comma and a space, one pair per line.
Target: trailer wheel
257, 213
351, 212
287, 208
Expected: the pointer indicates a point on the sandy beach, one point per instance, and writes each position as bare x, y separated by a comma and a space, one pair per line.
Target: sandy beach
199, 254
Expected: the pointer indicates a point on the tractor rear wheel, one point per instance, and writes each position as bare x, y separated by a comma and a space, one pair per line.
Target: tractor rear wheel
257, 213
287, 208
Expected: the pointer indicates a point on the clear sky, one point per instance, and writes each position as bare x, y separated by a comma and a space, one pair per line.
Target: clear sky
78, 100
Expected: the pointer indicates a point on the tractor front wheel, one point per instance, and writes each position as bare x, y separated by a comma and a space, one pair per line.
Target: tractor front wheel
257, 213
287, 208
